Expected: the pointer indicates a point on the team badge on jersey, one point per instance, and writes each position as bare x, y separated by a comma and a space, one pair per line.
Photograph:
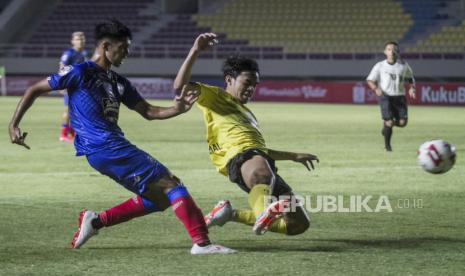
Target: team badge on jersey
65, 70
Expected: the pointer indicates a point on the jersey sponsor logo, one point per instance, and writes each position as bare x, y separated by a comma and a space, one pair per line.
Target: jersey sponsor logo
65, 70
392, 76
214, 148
110, 110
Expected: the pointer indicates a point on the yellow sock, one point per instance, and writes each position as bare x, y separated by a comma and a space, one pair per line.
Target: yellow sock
257, 198
279, 226
245, 216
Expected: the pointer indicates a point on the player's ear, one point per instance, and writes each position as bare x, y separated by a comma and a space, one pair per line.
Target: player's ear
105, 44
228, 79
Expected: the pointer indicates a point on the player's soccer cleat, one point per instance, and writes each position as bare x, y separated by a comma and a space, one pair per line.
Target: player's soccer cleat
85, 230
211, 249
221, 213
271, 213
66, 139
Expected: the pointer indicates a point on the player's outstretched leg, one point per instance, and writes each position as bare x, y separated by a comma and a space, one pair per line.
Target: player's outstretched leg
90, 222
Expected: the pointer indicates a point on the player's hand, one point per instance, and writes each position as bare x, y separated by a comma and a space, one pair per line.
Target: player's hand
306, 159
189, 95
379, 92
16, 137
412, 92
204, 41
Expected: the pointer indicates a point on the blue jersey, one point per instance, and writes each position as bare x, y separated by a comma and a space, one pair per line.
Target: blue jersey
73, 57
94, 100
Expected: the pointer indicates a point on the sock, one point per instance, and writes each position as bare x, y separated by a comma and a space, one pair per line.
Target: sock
70, 131
387, 132
64, 130
279, 226
131, 208
189, 214
246, 216
257, 198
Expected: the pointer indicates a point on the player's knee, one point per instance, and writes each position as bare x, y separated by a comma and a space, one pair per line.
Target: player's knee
389, 123
297, 227
261, 176
166, 183
402, 122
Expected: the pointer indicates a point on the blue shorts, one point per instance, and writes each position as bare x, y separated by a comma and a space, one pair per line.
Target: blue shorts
65, 99
129, 166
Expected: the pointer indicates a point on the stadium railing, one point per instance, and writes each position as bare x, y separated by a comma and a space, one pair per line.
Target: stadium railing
220, 52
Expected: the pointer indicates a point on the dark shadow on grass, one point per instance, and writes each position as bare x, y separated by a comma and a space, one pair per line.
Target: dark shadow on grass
392, 243
240, 248
287, 248
299, 245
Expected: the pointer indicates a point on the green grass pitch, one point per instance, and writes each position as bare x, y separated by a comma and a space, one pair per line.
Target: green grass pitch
42, 191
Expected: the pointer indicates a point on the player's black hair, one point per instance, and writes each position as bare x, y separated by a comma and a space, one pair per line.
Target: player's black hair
236, 64
392, 43
112, 29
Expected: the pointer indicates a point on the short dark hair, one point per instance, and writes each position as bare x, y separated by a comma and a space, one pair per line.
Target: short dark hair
236, 64
112, 29
391, 43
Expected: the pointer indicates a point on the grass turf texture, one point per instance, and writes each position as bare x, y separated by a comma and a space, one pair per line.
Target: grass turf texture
42, 191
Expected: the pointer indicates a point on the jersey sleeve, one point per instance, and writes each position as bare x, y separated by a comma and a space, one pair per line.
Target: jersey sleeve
67, 78
374, 74
66, 58
130, 96
208, 94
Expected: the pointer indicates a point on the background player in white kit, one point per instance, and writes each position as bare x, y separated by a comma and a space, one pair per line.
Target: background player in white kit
387, 79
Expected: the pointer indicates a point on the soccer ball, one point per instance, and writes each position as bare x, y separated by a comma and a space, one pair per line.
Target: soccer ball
436, 156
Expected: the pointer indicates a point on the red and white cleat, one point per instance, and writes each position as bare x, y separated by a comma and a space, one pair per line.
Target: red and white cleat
221, 213
211, 249
66, 139
272, 212
85, 230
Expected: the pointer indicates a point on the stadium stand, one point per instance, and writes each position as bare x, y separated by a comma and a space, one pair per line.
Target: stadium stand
295, 29
450, 39
299, 26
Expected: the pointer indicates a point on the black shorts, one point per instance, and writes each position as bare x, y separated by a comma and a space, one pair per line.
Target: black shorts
393, 107
234, 170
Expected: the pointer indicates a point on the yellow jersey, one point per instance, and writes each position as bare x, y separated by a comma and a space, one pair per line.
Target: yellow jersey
231, 127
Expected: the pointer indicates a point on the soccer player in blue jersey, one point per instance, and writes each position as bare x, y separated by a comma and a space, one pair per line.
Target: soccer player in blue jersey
95, 95
72, 56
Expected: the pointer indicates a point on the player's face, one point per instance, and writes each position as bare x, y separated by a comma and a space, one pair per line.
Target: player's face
117, 51
391, 51
78, 41
243, 86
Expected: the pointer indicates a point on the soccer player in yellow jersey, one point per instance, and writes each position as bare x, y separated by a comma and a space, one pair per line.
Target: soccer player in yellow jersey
238, 150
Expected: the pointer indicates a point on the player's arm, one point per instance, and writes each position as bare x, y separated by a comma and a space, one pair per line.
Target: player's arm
202, 42
182, 103
26, 101
372, 80
374, 86
305, 158
411, 79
